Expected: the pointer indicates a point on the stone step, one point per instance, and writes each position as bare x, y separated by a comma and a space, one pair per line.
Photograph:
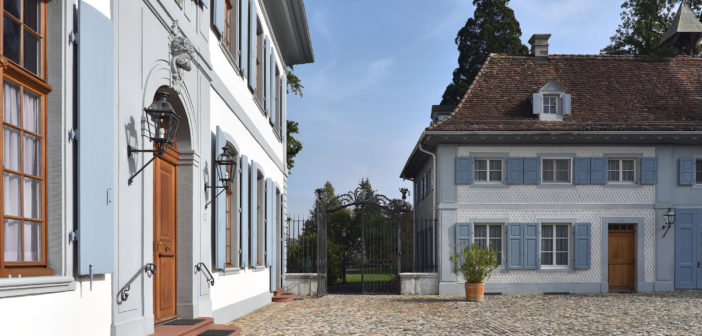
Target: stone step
206, 327
283, 297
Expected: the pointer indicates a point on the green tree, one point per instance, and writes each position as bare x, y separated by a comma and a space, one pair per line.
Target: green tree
644, 22
492, 29
294, 146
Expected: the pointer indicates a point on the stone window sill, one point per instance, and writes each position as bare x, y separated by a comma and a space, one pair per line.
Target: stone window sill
35, 285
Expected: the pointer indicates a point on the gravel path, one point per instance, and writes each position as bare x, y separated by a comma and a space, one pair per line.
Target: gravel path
674, 313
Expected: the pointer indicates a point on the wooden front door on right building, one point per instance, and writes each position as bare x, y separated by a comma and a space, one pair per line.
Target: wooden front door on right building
622, 257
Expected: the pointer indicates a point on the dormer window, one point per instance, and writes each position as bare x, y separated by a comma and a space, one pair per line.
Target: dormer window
551, 102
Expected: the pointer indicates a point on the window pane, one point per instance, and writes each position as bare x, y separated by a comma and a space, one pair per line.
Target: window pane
562, 164
32, 198
11, 35
32, 155
11, 194
628, 176
562, 231
499, 257
548, 164
546, 244
546, 258
11, 105
32, 14
628, 164
613, 165
481, 175
495, 164
496, 244
547, 231
13, 6
562, 245
11, 149
32, 52
481, 164
12, 240
495, 231
561, 258
31, 108
548, 175
495, 176
562, 176
481, 242
613, 175
32, 241
480, 231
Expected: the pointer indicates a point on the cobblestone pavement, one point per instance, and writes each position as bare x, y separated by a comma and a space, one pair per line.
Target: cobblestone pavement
676, 313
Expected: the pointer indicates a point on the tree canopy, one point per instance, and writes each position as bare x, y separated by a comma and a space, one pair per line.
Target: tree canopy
492, 29
644, 22
294, 146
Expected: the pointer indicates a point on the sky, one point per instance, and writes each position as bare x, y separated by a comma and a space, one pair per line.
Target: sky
381, 64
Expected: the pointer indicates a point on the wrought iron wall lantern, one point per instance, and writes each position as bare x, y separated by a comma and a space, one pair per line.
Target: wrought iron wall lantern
668, 220
162, 129
224, 165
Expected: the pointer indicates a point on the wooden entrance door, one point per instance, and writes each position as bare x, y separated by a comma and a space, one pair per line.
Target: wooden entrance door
622, 256
165, 178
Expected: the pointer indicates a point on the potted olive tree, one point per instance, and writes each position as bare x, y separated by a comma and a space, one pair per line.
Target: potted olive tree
474, 264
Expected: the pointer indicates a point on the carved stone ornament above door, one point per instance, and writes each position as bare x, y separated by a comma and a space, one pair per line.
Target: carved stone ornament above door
181, 55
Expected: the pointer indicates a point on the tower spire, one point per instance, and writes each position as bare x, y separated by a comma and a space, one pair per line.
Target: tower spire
685, 30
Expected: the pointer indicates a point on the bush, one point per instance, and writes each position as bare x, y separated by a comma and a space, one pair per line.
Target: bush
474, 263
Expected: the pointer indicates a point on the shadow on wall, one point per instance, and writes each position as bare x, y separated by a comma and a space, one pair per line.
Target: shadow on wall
132, 140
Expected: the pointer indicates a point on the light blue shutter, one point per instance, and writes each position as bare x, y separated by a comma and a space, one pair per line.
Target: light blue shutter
244, 34
515, 246
244, 208
581, 246
531, 170
565, 101
515, 170
686, 248
96, 146
531, 245
267, 75
273, 247
464, 236
218, 16
686, 175
649, 170
274, 90
253, 216
253, 43
464, 170
598, 170
284, 110
269, 220
220, 207
582, 170
537, 102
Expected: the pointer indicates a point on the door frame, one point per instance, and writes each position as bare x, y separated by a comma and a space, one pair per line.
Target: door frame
639, 284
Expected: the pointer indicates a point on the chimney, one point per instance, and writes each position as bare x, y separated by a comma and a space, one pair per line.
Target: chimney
539, 45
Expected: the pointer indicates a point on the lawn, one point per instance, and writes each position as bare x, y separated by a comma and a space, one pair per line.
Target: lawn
371, 274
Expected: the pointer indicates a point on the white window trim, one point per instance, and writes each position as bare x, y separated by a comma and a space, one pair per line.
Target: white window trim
570, 170
620, 169
553, 237
502, 239
488, 159
543, 103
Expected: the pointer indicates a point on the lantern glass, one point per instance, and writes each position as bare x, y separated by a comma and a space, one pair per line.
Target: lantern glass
164, 120
225, 167
669, 217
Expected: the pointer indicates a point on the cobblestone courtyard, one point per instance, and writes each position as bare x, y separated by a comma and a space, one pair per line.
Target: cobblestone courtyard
677, 313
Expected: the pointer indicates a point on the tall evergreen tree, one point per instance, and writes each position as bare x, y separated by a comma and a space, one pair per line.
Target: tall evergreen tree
644, 22
492, 29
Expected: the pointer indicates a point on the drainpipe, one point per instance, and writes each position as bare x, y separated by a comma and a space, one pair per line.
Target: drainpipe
436, 207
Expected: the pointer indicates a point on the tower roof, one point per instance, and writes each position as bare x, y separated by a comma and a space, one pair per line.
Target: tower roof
685, 22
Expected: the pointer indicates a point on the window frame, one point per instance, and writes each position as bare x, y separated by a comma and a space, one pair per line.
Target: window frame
698, 171
36, 84
232, 215
554, 251
620, 170
488, 170
555, 181
488, 237
555, 105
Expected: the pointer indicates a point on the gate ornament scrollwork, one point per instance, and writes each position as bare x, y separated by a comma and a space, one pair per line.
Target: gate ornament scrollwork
181, 55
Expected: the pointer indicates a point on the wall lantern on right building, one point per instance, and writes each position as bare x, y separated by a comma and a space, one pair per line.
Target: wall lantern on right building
668, 220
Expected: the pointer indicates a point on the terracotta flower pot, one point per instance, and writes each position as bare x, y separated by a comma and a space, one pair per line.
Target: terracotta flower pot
475, 292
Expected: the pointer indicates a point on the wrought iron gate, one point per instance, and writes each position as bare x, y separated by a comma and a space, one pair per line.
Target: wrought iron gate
321, 249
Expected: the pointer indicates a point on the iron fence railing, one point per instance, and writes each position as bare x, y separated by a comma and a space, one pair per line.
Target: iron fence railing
301, 242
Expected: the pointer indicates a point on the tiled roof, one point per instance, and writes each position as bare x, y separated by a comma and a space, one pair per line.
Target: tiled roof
609, 93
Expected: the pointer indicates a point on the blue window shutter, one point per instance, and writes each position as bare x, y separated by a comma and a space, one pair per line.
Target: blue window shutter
464, 235
531, 170
244, 208
284, 109
598, 170
267, 75
582, 170
274, 90
218, 16
269, 220
687, 171
515, 246
253, 217
515, 170
581, 246
686, 248
537, 101
96, 148
244, 34
649, 170
464, 170
274, 225
531, 236
253, 43
565, 101
220, 207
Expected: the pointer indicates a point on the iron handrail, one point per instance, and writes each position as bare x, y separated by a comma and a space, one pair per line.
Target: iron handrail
207, 273
123, 294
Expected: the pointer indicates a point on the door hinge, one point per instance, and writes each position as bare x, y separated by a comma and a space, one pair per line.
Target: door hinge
72, 38
72, 135
73, 236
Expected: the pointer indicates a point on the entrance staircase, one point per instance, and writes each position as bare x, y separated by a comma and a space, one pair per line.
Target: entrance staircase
280, 296
203, 326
